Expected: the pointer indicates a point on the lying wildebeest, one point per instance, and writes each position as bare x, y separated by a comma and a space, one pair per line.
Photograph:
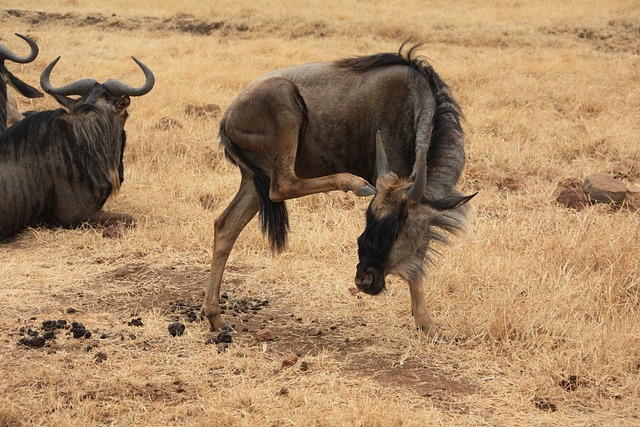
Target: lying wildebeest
59, 167
9, 113
312, 128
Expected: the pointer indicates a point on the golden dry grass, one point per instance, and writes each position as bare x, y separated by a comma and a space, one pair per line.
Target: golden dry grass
535, 295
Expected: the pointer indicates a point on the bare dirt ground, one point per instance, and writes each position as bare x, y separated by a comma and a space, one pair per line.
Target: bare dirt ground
541, 303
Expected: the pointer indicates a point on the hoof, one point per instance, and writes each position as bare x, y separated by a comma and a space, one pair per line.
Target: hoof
434, 334
366, 191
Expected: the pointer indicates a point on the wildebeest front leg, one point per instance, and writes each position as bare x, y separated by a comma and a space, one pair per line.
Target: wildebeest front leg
419, 309
227, 227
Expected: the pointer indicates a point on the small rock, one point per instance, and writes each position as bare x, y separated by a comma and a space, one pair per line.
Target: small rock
265, 335
604, 189
176, 329
289, 361
100, 357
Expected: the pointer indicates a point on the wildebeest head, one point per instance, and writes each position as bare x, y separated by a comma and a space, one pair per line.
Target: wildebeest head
6, 77
400, 223
106, 102
112, 94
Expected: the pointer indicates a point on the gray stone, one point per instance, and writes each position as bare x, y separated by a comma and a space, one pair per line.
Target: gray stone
602, 188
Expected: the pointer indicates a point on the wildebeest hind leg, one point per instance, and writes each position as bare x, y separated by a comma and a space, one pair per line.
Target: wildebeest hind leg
227, 227
285, 184
419, 309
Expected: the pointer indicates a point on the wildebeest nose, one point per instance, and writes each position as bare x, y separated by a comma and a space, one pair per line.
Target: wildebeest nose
364, 280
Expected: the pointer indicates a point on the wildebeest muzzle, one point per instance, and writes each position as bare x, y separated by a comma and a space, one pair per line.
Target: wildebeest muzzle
369, 279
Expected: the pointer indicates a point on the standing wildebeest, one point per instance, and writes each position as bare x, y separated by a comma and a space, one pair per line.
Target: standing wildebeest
312, 128
59, 167
9, 113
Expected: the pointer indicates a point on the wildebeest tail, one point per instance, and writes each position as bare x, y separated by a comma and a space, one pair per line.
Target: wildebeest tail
274, 217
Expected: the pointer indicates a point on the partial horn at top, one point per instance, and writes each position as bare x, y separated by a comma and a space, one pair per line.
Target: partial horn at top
119, 88
416, 191
5, 53
382, 165
80, 87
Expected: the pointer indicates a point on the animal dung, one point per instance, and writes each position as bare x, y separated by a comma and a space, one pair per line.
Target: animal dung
136, 322
176, 329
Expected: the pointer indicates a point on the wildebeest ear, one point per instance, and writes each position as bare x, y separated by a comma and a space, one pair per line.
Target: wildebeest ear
65, 101
449, 203
23, 88
382, 165
416, 191
123, 103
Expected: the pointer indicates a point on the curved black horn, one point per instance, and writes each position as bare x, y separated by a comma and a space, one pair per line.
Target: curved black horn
382, 165
420, 182
80, 87
5, 53
119, 88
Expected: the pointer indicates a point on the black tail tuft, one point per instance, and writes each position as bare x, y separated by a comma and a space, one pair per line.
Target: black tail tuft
274, 217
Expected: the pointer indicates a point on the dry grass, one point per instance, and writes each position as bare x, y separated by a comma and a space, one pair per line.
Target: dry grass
537, 293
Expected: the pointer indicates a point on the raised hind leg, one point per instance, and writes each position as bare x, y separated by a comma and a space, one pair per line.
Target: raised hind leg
267, 121
227, 227
285, 184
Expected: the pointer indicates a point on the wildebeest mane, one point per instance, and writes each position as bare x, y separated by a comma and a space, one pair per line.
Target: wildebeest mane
27, 131
447, 138
89, 157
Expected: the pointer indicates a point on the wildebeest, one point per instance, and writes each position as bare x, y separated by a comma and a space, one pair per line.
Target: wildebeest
313, 128
58, 167
9, 113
